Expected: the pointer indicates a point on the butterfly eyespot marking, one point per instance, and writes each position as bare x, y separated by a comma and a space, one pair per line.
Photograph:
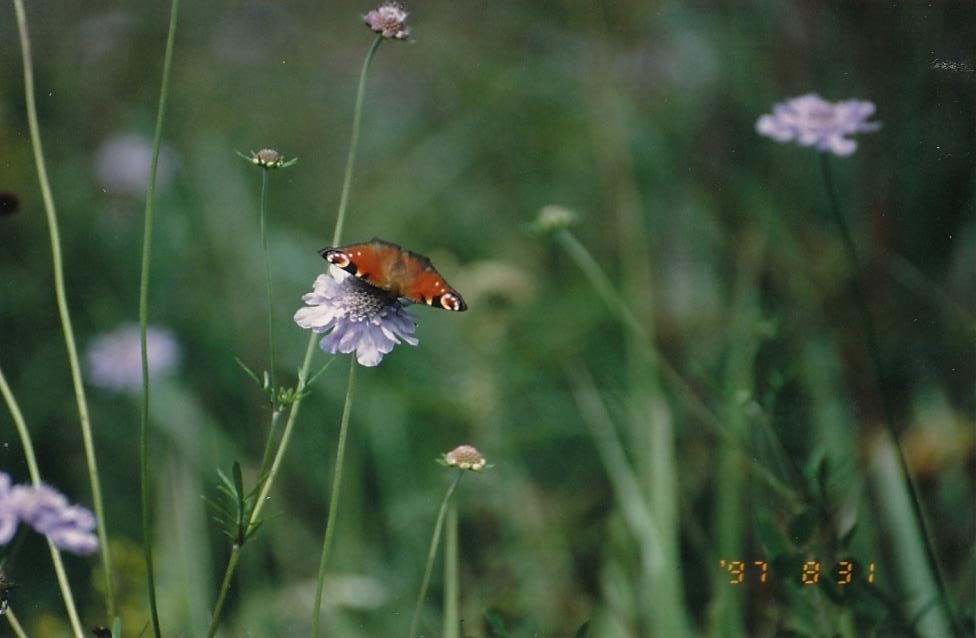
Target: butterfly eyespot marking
337, 258
451, 301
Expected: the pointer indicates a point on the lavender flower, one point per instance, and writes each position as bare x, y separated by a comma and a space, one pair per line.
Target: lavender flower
810, 120
389, 19
355, 317
114, 359
122, 165
69, 527
9, 517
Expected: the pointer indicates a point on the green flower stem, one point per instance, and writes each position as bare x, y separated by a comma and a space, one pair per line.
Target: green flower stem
69, 336
144, 320
354, 142
267, 278
312, 338
14, 624
432, 553
269, 445
334, 495
887, 404
604, 288
262, 497
35, 474
452, 617
235, 554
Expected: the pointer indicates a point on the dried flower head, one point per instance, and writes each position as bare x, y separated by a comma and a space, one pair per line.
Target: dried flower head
114, 359
465, 457
552, 218
389, 19
810, 120
268, 158
356, 317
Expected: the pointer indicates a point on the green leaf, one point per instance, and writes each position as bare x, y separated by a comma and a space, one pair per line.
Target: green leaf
248, 371
583, 631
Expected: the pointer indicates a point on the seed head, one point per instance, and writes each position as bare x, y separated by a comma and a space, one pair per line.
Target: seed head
465, 457
268, 158
389, 20
552, 218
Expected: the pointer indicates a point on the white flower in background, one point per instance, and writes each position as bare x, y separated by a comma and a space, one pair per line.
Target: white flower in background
356, 317
122, 165
810, 120
114, 359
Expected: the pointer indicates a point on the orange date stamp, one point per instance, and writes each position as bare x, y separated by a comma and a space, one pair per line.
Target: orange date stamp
809, 572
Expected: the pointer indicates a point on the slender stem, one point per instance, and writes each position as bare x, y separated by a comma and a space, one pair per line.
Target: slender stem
334, 495
267, 275
269, 445
887, 403
14, 624
269, 480
144, 320
286, 435
354, 142
451, 589
235, 553
313, 337
65, 315
35, 474
604, 287
432, 553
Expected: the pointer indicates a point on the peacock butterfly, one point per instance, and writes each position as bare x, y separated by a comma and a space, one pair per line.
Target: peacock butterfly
400, 272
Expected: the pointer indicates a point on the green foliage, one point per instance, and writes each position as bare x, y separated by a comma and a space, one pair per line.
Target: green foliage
696, 390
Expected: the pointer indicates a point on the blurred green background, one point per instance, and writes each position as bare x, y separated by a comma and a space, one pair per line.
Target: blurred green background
638, 116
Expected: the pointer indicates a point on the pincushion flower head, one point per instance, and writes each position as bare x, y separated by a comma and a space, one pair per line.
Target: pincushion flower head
355, 317
69, 527
810, 120
389, 20
114, 359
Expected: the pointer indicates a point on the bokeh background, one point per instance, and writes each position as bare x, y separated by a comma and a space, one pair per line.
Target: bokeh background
638, 117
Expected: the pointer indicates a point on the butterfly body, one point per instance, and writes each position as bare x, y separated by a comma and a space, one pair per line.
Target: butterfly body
400, 272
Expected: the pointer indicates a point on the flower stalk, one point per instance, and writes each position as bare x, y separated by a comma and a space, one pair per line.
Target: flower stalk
144, 474
432, 553
267, 277
303, 374
887, 404
62, 303
354, 142
35, 474
334, 496
452, 616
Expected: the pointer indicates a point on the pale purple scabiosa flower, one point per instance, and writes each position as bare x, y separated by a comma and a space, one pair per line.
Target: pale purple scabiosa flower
389, 19
9, 517
114, 359
69, 527
810, 120
356, 317
122, 165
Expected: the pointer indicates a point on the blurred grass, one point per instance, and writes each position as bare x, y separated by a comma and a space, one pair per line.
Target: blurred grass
639, 116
